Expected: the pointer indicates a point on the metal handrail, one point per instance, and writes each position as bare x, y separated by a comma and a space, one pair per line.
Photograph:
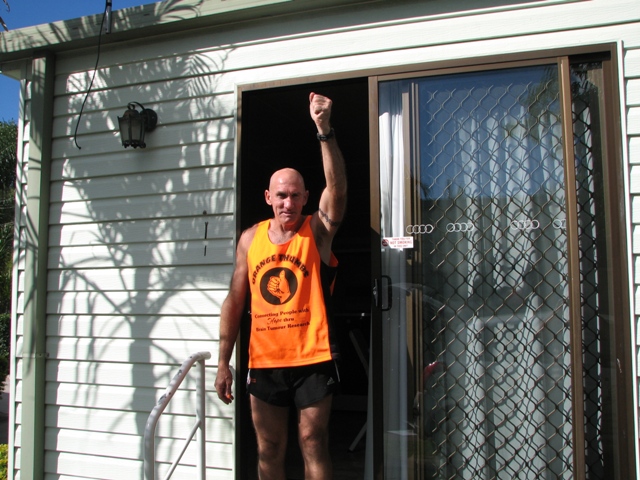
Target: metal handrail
163, 401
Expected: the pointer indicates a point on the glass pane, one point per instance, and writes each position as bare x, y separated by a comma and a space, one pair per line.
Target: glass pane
476, 329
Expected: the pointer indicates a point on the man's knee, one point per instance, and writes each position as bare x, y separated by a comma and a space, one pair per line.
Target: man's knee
314, 440
272, 448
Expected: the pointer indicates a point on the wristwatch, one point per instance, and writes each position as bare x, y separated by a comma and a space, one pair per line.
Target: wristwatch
324, 138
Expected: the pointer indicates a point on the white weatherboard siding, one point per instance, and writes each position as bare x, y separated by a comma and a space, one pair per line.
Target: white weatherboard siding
131, 293
632, 120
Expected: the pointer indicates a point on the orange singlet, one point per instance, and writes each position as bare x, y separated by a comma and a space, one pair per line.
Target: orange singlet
290, 290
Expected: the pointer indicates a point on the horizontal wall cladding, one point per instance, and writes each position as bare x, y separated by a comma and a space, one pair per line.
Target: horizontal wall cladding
134, 287
113, 468
128, 447
115, 326
129, 399
126, 350
141, 254
193, 180
19, 254
106, 326
171, 425
141, 249
632, 92
160, 230
127, 423
216, 276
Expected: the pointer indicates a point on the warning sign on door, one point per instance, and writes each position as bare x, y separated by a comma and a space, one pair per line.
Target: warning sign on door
397, 242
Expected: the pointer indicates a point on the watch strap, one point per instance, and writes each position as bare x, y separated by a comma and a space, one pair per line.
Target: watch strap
324, 138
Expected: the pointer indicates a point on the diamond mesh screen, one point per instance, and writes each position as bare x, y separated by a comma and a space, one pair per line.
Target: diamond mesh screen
586, 79
478, 378
495, 334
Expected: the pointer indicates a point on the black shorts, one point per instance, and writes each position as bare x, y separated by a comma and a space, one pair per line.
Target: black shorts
299, 386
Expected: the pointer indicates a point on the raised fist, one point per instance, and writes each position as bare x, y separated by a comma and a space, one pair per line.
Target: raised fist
320, 109
279, 287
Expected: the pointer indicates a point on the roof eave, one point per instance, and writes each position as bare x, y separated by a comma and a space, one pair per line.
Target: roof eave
152, 19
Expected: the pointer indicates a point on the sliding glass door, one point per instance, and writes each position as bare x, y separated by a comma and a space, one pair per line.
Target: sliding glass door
489, 233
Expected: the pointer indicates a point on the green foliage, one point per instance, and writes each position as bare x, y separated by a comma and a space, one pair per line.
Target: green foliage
5, 335
4, 460
8, 154
8, 162
5, 348
4, 371
6, 263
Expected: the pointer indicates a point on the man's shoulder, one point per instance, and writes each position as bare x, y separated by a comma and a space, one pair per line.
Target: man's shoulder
247, 236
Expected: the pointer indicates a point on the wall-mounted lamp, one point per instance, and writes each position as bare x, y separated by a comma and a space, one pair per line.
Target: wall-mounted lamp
134, 124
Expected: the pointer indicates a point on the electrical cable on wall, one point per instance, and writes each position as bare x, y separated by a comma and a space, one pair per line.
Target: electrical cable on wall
105, 16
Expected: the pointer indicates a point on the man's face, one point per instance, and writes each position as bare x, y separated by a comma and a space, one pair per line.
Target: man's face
287, 196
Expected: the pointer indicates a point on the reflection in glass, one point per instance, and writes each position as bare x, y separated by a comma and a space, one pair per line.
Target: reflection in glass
476, 334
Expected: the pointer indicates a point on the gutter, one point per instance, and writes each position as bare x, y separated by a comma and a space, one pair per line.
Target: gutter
153, 19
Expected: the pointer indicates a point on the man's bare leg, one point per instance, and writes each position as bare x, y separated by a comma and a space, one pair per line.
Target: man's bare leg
271, 425
313, 435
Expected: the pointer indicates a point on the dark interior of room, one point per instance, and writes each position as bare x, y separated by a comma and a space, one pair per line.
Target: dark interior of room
276, 131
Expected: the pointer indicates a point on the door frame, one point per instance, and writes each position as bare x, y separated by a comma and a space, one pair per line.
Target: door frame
619, 255
617, 208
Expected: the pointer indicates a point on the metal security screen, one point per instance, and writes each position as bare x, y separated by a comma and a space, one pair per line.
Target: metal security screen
501, 408
598, 378
477, 329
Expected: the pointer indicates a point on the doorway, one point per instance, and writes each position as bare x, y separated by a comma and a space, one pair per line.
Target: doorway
276, 131
509, 239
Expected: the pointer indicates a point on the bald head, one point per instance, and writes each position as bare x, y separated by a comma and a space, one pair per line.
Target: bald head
286, 176
287, 196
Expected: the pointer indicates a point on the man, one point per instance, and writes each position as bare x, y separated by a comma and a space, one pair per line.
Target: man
287, 266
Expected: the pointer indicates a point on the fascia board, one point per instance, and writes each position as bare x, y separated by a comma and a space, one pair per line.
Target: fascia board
149, 20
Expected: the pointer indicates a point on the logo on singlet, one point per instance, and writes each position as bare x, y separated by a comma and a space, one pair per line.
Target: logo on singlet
278, 286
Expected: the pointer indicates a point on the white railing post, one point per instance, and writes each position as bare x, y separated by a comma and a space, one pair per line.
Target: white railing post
163, 401
200, 416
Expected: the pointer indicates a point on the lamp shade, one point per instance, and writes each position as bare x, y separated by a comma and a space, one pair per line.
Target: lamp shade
134, 124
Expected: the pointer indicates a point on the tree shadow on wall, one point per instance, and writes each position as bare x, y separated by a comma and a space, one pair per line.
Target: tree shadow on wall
141, 243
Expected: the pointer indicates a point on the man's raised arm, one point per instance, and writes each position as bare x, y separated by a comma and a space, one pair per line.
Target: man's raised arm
333, 201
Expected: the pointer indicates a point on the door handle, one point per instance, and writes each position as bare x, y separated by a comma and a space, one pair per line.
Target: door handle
377, 291
376, 299
389, 291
